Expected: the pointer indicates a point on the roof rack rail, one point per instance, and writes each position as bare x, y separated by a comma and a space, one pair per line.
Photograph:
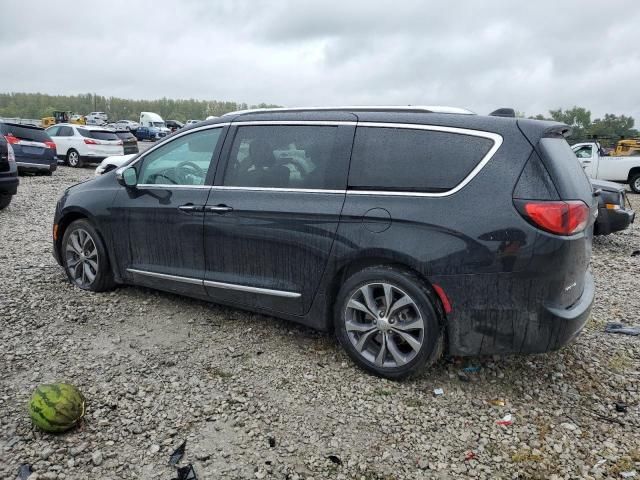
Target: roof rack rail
503, 112
362, 108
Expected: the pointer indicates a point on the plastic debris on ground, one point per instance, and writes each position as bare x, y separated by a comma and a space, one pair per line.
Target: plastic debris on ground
622, 329
438, 392
498, 402
599, 463
470, 455
335, 459
621, 407
506, 420
186, 473
24, 471
635, 253
177, 454
471, 369
630, 474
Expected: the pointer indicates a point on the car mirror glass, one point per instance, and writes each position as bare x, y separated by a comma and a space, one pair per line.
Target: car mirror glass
128, 177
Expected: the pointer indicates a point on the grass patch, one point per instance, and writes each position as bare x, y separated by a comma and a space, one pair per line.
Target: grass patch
619, 362
522, 456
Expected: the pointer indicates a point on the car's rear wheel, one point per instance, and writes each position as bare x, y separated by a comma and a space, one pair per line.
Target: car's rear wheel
634, 183
85, 258
386, 320
73, 159
5, 200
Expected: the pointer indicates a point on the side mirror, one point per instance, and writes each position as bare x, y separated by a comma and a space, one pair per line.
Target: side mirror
127, 177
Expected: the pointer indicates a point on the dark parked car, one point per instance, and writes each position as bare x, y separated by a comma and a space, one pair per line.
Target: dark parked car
174, 125
405, 230
129, 141
8, 173
34, 149
149, 133
613, 214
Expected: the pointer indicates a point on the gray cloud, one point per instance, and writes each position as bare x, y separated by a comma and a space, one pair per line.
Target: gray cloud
481, 55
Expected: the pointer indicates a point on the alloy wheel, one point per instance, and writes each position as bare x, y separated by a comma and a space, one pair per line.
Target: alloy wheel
81, 255
636, 184
73, 159
384, 325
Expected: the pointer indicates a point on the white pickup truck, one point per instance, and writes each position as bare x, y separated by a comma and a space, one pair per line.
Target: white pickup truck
615, 169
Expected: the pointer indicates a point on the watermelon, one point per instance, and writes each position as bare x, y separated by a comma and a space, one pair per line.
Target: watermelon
56, 407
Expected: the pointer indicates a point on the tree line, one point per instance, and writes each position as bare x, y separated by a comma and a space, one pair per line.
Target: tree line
608, 129
39, 105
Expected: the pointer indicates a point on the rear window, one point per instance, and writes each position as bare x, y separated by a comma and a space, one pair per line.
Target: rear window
405, 159
125, 135
98, 134
25, 133
565, 169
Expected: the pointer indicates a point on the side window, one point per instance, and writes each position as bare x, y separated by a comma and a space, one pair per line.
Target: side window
405, 159
283, 157
65, 132
183, 161
53, 131
584, 152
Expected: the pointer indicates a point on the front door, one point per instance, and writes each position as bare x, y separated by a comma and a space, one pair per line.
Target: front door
159, 223
272, 215
586, 158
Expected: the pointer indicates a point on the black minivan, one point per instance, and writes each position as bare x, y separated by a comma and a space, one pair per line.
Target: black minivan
408, 231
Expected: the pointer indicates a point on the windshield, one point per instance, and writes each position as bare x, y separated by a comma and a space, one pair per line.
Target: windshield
158, 124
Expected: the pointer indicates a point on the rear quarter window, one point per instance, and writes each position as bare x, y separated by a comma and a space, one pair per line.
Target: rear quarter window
25, 133
404, 159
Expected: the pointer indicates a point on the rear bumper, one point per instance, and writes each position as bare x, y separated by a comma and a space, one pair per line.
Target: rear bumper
34, 166
610, 221
531, 327
9, 184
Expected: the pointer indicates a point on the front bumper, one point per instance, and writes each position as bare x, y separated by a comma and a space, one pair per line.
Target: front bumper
610, 221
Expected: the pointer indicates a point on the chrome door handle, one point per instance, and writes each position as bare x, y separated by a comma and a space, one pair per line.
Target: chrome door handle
219, 209
191, 208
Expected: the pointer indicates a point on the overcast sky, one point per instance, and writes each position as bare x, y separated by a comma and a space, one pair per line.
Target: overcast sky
532, 56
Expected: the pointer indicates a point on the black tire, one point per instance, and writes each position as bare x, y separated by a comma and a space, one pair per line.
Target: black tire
73, 159
103, 275
634, 183
423, 301
5, 200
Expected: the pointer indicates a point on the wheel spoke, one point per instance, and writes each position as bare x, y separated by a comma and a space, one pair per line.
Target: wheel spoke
93, 264
356, 305
367, 293
75, 243
88, 274
400, 303
388, 298
75, 272
73, 262
352, 326
416, 324
383, 351
395, 351
364, 338
410, 339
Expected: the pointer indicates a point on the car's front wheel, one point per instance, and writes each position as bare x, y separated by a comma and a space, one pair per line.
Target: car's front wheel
85, 258
386, 320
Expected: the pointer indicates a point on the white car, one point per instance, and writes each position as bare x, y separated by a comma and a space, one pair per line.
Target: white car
80, 144
127, 124
111, 163
96, 118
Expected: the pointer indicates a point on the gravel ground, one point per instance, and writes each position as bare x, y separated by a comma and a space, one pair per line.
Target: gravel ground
257, 397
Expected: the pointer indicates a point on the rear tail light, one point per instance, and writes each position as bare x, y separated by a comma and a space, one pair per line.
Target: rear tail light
11, 155
50, 144
88, 141
11, 139
559, 217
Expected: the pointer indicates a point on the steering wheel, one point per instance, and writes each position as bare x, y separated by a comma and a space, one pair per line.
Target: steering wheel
183, 169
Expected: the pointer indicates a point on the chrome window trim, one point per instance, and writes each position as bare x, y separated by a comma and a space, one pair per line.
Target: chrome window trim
275, 189
495, 137
359, 108
211, 283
